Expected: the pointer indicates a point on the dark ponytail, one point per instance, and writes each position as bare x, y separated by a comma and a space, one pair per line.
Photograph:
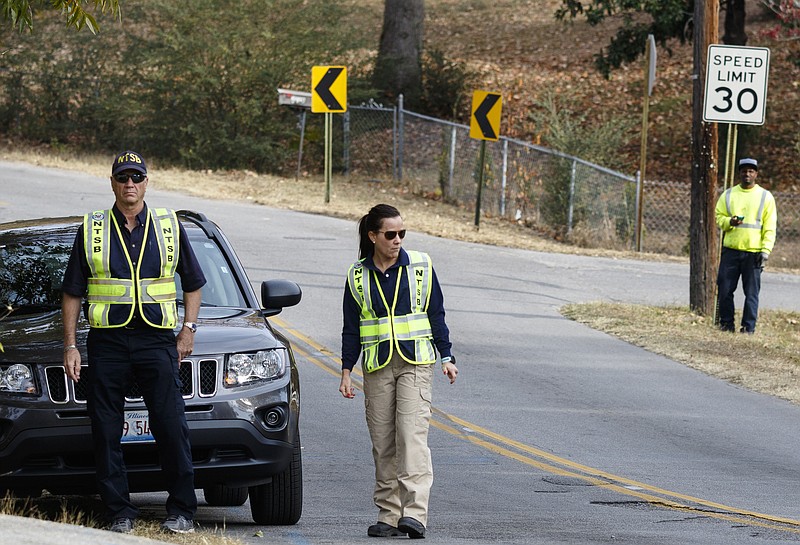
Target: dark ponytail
373, 221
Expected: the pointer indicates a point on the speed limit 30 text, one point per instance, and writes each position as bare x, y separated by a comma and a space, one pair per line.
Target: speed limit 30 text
738, 69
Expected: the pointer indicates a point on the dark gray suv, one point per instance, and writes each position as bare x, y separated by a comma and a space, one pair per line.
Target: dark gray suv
240, 384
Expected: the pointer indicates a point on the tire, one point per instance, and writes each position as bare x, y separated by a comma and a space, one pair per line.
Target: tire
280, 502
223, 496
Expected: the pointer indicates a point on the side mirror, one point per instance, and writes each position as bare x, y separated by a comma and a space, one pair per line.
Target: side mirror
277, 294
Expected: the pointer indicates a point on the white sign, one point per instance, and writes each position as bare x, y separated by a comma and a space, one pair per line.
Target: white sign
736, 84
651, 69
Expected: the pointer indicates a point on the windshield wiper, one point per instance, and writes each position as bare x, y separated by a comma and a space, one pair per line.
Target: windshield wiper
202, 304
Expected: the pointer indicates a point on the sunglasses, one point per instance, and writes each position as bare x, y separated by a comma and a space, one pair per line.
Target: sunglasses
391, 234
136, 178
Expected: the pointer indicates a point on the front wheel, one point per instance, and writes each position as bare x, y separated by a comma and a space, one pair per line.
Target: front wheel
280, 502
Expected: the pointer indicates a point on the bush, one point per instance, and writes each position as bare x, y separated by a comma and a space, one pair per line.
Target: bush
569, 133
194, 87
445, 85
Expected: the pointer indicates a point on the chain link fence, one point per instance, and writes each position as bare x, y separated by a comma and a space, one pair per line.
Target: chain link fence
667, 206
567, 197
573, 200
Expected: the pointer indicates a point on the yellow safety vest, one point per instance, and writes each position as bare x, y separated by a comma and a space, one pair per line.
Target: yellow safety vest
115, 288
413, 326
757, 205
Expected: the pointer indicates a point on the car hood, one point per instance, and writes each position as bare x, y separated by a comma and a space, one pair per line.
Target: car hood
34, 337
38, 337
225, 330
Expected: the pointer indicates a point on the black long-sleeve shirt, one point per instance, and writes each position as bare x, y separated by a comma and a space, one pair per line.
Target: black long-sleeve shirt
351, 311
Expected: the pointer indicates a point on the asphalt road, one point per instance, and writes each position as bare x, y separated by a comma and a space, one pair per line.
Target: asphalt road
554, 433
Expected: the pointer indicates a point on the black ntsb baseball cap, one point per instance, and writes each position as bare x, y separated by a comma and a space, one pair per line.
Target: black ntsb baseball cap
128, 160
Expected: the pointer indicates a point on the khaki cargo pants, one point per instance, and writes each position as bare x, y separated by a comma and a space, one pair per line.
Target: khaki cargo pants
398, 410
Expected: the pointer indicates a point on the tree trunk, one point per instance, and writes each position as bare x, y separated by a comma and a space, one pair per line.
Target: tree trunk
703, 238
734, 23
398, 67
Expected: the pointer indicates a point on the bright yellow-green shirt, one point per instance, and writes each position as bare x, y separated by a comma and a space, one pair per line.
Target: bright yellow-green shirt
757, 205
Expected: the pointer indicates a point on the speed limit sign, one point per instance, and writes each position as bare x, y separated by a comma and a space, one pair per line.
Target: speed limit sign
736, 84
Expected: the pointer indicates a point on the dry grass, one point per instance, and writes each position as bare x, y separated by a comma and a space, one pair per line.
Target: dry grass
57, 509
766, 362
201, 536
86, 511
350, 199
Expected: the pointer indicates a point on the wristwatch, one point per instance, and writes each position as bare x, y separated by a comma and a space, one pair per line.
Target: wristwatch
191, 325
449, 359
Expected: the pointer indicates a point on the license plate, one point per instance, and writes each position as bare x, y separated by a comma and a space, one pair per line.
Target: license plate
136, 427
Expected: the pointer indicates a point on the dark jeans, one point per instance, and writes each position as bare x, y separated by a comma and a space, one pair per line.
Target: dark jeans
732, 265
150, 355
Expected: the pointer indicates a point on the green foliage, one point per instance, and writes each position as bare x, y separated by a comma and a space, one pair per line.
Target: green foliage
359, 86
626, 222
195, 87
20, 13
445, 85
664, 19
570, 133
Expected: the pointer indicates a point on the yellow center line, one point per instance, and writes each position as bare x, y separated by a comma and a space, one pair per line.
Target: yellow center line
609, 476
557, 465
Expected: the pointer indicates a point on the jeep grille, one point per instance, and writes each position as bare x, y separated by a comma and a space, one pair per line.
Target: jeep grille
203, 385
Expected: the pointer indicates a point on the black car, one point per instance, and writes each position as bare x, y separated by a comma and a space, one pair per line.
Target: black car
240, 384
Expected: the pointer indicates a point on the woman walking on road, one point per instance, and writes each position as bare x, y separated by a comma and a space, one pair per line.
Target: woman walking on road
394, 319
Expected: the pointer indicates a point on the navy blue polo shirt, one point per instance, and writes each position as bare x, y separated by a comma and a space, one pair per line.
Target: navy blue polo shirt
76, 277
351, 310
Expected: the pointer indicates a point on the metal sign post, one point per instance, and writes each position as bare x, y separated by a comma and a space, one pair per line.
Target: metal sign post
482, 166
650, 79
730, 154
484, 125
297, 100
328, 154
328, 95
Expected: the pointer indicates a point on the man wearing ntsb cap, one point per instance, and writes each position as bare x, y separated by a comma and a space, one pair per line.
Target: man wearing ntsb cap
124, 261
748, 218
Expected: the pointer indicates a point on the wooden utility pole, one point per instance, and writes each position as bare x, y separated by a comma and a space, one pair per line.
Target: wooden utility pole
703, 237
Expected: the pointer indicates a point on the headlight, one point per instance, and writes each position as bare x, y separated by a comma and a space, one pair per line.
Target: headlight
242, 369
17, 378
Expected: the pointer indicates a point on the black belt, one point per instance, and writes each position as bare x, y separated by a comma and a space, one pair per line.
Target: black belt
137, 323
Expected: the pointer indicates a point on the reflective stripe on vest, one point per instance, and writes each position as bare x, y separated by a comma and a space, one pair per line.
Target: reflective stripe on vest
757, 224
105, 291
413, 326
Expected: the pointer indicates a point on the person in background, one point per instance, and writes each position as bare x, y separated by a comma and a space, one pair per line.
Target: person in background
394, 319
747, 215
124, 262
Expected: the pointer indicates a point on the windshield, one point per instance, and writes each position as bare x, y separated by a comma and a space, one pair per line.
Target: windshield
32, 264
31, 269
221, 289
